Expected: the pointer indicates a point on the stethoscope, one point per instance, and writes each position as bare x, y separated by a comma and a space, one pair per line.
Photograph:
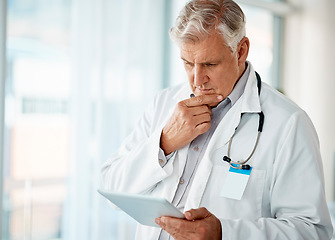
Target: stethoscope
242, 164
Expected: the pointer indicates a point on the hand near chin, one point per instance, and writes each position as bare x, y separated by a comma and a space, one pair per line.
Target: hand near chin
191, 118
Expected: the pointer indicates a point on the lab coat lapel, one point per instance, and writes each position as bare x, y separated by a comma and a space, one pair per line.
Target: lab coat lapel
248, 102
199, 184
183, 93
220, 137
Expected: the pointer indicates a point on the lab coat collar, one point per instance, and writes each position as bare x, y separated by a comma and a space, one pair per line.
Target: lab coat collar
249, 102
250, 98
183, 93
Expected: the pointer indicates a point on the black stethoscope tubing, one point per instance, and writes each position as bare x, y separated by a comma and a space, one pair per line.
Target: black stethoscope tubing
242, 164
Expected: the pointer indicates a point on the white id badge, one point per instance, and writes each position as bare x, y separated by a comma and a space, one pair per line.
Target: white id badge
235, 183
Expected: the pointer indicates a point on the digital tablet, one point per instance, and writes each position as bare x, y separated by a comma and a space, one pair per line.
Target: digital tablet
144, 209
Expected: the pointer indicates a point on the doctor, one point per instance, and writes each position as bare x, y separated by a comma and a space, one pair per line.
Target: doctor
184, 147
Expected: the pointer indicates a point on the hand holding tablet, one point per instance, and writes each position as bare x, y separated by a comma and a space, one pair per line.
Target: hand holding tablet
144, 209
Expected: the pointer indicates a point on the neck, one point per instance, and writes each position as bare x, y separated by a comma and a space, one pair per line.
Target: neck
242, 70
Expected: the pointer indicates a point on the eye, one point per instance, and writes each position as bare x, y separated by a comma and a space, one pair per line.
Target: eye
210, 64
189, 64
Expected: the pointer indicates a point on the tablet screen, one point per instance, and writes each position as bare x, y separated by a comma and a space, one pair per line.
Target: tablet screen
144, 209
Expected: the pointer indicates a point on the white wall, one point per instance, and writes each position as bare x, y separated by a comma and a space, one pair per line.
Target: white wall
309, 72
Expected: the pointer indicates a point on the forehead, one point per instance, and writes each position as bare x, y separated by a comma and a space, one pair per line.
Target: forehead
212, 47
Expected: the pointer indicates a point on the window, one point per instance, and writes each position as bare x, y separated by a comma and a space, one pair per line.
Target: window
37, 118
260, 30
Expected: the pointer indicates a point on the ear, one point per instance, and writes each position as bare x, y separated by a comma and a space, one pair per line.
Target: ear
243, 50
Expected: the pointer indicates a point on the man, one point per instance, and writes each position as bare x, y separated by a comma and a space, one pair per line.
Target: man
177, 149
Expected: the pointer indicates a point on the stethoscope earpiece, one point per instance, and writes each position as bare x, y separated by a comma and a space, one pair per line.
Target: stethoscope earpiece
246, 167
227, 159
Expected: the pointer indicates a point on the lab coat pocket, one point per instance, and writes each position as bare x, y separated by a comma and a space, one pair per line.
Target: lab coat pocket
253, 195
250, 205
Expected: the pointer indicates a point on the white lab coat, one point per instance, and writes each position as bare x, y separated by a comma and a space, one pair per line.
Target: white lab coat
284, 198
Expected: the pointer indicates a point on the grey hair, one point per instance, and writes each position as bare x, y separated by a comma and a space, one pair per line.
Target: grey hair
199, 17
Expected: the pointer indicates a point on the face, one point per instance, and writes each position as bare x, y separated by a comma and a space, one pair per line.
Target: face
211, 66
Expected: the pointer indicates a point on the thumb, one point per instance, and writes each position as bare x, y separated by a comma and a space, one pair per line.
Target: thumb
197, 214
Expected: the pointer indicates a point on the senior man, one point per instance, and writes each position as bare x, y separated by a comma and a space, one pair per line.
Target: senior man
240, 159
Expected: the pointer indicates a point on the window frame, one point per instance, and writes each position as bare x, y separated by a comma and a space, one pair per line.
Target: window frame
280, 9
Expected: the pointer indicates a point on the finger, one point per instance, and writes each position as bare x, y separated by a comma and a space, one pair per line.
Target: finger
177, 226
202, 118
196, 214
206, 227
202, 128
198, 110
210, 100
158, 221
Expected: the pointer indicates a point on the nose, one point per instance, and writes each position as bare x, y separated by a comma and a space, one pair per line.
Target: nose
200, 76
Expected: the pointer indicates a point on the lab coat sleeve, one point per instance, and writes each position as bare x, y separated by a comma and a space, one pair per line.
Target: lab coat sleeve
298, 205
135, 168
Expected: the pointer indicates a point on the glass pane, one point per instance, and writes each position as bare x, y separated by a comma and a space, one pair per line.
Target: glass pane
37, 121
68, 103
260, 31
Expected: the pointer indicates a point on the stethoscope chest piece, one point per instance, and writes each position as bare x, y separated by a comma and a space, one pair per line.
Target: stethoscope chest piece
236, 165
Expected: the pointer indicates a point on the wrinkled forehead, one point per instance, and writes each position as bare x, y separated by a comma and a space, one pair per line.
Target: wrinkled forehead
209, 48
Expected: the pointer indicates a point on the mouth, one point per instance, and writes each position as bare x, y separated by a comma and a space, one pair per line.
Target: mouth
202, 91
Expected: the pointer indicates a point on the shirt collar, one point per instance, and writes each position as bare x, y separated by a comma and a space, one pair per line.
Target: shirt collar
239, 86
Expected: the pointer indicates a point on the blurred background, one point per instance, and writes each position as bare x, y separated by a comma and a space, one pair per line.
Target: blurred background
75, 75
